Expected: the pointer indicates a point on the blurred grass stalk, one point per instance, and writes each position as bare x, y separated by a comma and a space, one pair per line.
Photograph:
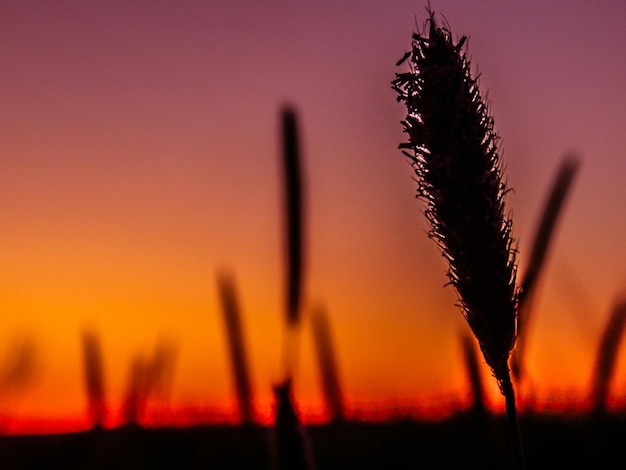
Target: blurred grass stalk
327, 361
148, 377
94, 378
478, 412
293, 205
236, 346
136, 391
291, 444
478, 405
544, 235
607, 358
453, 148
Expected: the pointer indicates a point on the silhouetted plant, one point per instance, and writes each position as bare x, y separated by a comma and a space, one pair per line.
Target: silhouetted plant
294, 258
290, 440
19, 367
161, 368
135, 397
607, 357
236, 345
541, 243
327, 362
291, 443
478, 413
94, 378
453, 147
478, 404
147, 376
293, 211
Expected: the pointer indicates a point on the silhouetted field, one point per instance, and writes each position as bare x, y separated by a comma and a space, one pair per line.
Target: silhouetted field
550, 441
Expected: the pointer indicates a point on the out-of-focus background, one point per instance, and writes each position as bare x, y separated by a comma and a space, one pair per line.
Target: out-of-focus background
140, 155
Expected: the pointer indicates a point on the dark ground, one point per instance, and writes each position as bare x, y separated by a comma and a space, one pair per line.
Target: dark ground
550, 442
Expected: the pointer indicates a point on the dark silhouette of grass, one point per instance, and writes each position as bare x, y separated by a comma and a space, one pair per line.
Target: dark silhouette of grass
294, 213
453, 147
236, 346
544, 235
136, 391
161, 368
478, 415
147, 377
290, 440
472, 366
94, 378
327, 362
607, 357
292, 449
19, 367
293, 241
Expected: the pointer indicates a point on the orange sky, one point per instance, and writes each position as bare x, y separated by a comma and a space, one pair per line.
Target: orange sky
140, 154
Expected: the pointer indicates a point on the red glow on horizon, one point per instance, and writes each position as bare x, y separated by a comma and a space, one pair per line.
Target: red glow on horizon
365, 412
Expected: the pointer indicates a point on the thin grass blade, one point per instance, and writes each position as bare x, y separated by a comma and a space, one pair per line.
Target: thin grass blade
545, 230
544, 236
327, 361
236, 345
607, 357
135, 396
291, 444
94, 378
293, 211
472, 366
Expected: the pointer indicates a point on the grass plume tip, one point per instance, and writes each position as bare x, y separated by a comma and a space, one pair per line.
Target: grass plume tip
453, 149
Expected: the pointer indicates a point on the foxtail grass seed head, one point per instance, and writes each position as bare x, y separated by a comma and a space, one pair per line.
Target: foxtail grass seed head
453, 148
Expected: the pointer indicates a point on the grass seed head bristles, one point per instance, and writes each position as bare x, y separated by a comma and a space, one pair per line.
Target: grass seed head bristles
236, 344
94, 378
607, 356
453, 147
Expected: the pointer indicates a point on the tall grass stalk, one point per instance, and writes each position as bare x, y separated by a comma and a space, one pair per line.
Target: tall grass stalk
161, 368
291, 445
136, 391
607, 357
294, 259
478, 406
544, 235
453, 147
19, 369
478, 413
94, 378
236, 345
147, 377
327, 360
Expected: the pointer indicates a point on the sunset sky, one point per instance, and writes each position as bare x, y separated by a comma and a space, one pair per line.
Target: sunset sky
140, 154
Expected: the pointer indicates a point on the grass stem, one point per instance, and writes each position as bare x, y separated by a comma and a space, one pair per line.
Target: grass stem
506, 386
